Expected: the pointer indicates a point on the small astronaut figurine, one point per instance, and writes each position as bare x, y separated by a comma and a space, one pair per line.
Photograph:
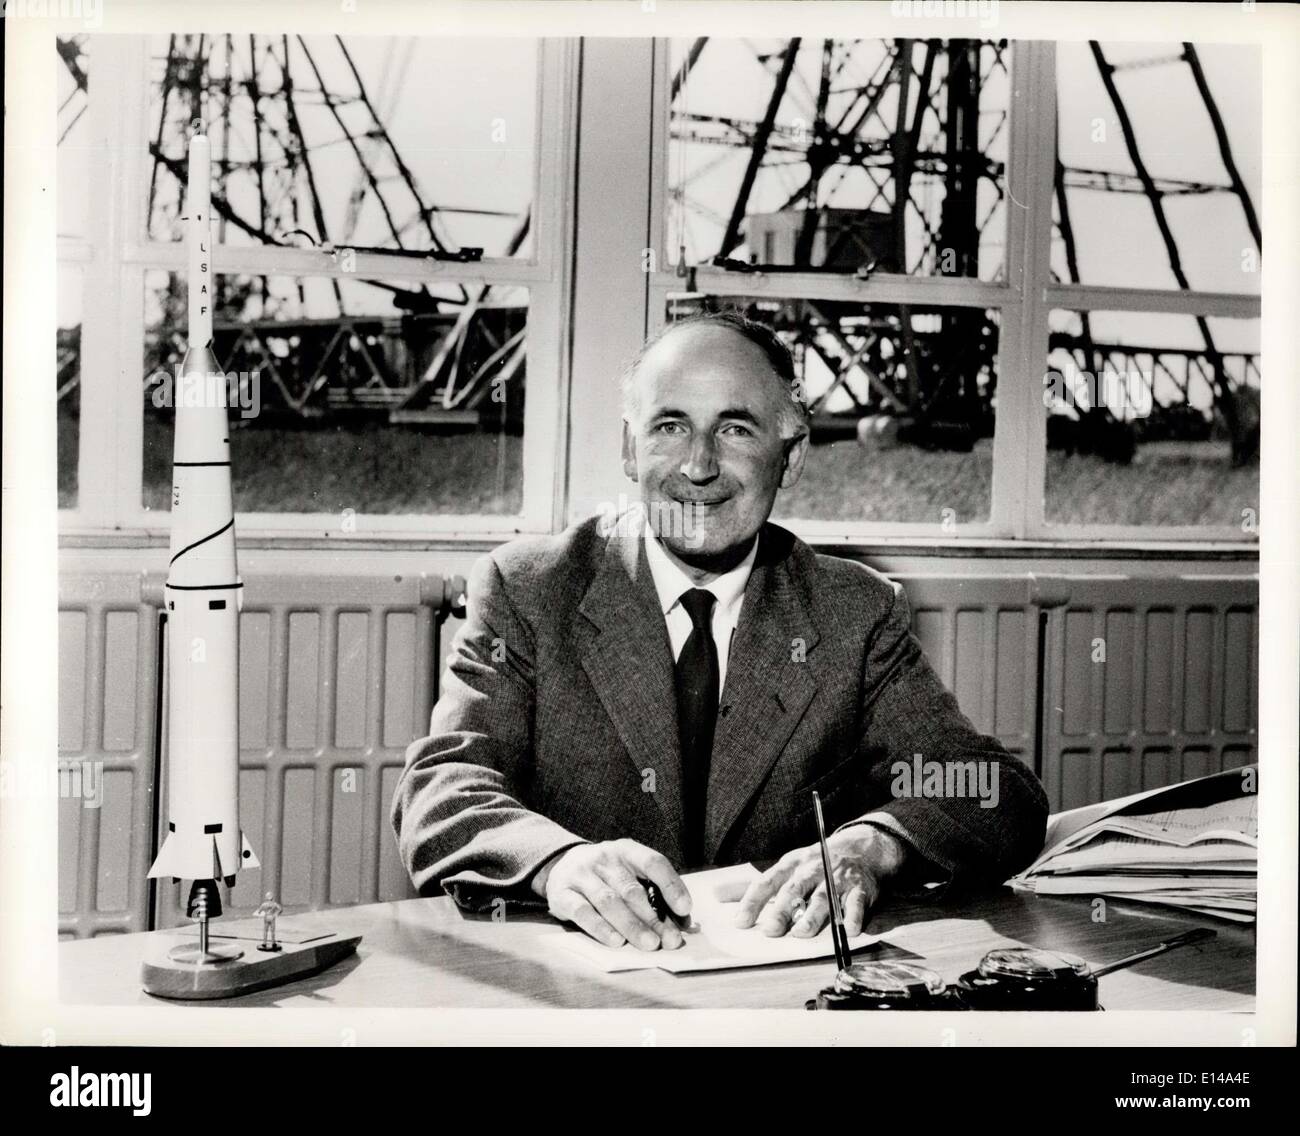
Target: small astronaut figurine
268, 911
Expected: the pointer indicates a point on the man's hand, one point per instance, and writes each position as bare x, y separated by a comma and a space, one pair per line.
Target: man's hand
862, 859
596, 886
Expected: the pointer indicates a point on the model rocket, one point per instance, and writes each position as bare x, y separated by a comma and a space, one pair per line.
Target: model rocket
202, 840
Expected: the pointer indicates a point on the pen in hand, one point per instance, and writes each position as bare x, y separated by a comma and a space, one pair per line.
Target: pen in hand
662, 911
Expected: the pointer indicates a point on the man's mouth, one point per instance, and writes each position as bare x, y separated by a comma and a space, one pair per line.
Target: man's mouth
701, 503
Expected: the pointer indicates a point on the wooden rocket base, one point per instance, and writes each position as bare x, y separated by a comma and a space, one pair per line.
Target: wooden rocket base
166, 976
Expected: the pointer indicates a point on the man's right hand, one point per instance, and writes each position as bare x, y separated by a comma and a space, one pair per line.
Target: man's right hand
596, 886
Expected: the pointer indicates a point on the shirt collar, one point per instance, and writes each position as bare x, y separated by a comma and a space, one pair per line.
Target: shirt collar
671, 581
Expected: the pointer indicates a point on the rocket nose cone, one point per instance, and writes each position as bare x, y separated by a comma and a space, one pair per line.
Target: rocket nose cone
199, 360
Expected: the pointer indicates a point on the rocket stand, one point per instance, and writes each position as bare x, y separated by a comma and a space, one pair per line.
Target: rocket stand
204, 970
204, 897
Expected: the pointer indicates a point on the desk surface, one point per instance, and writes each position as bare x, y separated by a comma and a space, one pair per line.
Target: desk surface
427, 953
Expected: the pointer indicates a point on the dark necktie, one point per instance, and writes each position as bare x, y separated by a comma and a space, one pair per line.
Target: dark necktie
697, 714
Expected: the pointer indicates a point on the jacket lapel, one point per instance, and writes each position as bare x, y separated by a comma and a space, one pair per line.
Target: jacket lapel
767, 688
630, 665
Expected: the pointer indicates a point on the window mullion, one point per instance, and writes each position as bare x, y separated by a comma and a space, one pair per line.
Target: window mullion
1020, 432
111, 436
610, 282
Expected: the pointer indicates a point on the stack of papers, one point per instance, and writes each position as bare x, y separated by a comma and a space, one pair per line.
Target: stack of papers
1193, 846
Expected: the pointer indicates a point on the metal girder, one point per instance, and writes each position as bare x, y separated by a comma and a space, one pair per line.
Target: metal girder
732, 236
1221, 137
1223, 396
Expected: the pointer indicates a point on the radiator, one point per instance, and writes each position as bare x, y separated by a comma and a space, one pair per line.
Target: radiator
981, 636
1147, 682
337, 676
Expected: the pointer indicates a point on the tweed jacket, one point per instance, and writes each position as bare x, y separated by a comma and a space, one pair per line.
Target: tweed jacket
556, 723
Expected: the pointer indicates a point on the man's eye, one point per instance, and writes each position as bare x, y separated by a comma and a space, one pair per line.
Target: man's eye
668, 427
736, 430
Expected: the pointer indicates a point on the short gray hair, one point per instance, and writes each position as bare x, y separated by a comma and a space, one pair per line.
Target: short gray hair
795, 418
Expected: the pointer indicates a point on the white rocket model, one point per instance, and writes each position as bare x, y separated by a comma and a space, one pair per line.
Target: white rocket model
203, 840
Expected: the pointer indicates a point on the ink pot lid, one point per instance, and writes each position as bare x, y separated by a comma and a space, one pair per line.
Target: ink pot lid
891, 981
1032, 964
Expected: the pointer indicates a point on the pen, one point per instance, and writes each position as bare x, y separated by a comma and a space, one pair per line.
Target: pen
1199, 935
662, 911
843, 955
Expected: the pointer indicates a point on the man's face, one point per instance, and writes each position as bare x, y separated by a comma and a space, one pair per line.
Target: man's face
704, 442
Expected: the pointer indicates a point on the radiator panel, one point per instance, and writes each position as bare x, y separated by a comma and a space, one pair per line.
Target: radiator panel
1147, 682
317, 769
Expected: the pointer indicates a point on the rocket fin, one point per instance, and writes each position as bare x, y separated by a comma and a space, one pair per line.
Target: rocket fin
248, 858
162, 865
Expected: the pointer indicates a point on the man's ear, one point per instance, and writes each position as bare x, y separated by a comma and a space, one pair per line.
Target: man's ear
796, 450
629, 450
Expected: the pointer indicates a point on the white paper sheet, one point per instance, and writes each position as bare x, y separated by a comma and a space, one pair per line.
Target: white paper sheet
714, 942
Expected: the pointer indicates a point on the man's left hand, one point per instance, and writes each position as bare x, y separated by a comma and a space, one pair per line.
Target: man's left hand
791, 895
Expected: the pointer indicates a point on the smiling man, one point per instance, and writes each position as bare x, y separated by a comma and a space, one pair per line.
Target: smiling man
627, 702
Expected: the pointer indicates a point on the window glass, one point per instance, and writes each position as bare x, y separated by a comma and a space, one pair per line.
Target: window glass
840, 155
903, 401
73, 172
1152, 423
1206, 189
72, 160
352, 396
389, 142
68, 379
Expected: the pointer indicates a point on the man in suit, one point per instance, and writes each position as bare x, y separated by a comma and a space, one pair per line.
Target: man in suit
662, 690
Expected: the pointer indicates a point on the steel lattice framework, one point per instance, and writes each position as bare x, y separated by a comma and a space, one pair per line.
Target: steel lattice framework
256, 96
906, 119
934, 365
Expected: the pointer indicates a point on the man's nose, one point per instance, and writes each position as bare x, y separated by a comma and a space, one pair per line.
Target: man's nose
701, 462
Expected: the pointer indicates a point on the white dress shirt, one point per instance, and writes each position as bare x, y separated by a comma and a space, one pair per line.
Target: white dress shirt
728, 590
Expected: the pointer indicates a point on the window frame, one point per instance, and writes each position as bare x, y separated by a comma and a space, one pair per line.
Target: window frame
116, 253
571, 424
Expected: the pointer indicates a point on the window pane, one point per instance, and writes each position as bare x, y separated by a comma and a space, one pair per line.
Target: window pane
902, 399
68, 364
1147, 425
1107, 231
840, 154
392, 142
73, 167
353, 395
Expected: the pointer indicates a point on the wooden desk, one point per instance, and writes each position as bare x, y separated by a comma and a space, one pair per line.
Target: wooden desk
427, 953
